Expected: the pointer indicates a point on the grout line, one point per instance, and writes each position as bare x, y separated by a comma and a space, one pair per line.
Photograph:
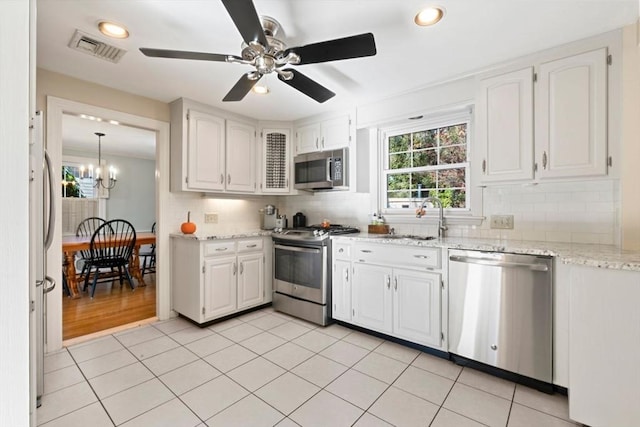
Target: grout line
313, 353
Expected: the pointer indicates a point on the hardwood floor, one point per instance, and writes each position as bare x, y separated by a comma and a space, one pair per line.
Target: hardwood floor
111, 306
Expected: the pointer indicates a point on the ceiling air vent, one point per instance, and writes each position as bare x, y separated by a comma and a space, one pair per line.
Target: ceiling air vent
87, 44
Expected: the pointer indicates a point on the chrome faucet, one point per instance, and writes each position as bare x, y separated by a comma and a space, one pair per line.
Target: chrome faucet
442, 226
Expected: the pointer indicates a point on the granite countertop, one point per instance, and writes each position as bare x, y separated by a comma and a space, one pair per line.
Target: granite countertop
223, 235
600, 256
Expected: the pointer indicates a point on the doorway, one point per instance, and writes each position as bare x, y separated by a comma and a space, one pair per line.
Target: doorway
127, 156
57, 108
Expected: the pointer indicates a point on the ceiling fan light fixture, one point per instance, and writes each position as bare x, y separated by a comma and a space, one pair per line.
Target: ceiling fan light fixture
111, 29
260, 90
429, 16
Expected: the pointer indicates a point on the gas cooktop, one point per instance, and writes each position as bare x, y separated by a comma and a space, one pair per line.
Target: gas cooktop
313, 232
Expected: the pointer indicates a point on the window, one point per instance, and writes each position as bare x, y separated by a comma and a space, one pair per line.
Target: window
80, 199
428, 159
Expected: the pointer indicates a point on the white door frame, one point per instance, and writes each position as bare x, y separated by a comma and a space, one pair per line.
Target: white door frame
56, 107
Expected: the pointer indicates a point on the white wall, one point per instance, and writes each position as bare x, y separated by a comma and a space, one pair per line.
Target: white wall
14, 216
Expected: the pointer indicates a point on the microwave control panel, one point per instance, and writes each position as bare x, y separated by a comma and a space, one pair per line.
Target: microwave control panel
337, 168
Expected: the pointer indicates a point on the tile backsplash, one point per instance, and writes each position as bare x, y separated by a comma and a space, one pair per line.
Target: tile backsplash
579, 212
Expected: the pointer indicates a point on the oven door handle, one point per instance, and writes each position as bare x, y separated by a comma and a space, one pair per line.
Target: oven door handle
298, 249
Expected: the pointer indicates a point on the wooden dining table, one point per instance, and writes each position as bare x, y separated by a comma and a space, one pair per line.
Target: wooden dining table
72, 244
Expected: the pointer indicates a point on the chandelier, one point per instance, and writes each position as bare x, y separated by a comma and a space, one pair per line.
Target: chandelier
107, 181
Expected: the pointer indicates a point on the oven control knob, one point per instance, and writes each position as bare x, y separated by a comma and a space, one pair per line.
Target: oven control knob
316, 233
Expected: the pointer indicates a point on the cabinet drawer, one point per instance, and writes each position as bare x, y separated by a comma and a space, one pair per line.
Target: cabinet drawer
341, 250
250, 245
393, 255
219, 248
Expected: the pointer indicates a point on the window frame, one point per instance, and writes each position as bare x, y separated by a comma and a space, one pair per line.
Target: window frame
100, 195
472, 213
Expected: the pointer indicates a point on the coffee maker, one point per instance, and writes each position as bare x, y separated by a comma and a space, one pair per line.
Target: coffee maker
268, 217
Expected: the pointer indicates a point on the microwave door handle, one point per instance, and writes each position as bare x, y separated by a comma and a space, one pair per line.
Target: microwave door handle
329, 163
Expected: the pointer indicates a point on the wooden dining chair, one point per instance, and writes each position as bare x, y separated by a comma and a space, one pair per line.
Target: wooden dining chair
111, 246
86, 228
148, 256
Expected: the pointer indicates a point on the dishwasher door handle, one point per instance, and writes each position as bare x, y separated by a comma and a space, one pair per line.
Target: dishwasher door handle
494, 263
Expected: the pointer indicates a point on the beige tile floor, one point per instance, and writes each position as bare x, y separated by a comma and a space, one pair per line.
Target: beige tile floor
265, 369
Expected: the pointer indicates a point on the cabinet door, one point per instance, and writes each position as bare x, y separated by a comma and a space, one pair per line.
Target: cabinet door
416, 306
571, 116
334, 133
341, 290
241, 157
205, 152
276, 148
604, 343
250, 280
308, 138
505, 126
371, 293
219, 293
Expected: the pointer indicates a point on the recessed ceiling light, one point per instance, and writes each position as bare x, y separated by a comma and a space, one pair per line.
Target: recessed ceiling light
112, 29
260, 90
429, 16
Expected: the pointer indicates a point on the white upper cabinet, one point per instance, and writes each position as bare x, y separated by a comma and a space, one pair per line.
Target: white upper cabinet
209, 152
505, 126
553, 128
326, 134
335, 133
276, 161
205, 152
241, 151
308, 138
571, 116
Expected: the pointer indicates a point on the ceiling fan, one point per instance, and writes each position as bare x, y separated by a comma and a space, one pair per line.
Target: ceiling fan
268, 54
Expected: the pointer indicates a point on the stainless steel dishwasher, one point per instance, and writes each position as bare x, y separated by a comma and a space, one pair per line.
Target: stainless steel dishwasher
500, 311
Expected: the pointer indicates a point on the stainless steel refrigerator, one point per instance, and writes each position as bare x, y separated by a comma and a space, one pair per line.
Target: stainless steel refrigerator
42, 220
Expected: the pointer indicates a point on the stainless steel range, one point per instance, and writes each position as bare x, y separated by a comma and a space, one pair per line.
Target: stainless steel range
302, 271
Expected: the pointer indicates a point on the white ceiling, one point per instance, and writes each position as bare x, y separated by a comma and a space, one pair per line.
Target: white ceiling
473, 34
78, 133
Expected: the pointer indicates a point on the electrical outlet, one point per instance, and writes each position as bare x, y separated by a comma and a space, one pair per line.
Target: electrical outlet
211, 218
504, 222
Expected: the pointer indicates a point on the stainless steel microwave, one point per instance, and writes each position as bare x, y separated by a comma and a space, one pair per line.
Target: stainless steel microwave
325, 170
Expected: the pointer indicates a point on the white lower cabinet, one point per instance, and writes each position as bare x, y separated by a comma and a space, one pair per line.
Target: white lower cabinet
413, 291
250, 280
214, 279
341, 290
390, 289
604, 343
219, 287
371, 291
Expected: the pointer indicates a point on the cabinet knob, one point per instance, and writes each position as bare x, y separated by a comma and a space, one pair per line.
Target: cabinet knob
221, 178
544, 160
494, 347
484, 166
228, 178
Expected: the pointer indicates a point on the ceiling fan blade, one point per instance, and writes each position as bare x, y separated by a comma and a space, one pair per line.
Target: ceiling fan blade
333, 50
307, 86
181, 54
241, 88
244, 16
